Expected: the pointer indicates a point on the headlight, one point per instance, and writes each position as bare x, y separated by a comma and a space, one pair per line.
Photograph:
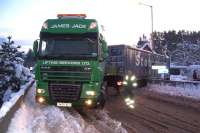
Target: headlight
125, 83
126, 77
40, 91
90, 93
133, 78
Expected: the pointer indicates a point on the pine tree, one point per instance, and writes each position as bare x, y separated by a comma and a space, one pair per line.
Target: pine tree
29, 59
10, 59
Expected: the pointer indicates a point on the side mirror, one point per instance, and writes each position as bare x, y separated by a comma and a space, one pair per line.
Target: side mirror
35, 47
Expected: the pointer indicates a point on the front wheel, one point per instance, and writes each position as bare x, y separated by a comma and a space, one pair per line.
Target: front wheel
102, 97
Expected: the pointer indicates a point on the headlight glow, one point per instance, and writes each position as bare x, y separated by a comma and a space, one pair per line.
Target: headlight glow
125, 83
132, 106
130, 102
133, 78
88, 102
127, 99
134, 84
126, 77
40, 91
41, 100
90, 93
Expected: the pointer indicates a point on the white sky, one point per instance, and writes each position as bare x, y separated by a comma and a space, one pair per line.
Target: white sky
124, 20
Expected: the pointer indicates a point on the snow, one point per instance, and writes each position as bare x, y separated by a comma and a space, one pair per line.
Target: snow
18, 68
22, 72
2, 39
7, 95
32, 117
189, 91
113, 124
13, 99
178, 78
35, 118
19, 59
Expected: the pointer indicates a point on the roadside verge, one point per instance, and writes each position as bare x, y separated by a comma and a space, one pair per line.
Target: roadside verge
9, 108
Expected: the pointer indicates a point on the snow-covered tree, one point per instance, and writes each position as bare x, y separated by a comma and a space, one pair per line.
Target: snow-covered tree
142, 41
12, 72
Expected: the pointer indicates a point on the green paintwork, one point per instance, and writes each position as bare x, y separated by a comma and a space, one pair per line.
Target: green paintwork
94, 82
69, 26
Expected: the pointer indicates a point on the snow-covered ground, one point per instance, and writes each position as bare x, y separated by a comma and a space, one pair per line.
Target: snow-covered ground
13, 97
34, 118
190, 92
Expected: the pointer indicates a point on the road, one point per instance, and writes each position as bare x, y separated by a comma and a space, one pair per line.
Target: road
152, 115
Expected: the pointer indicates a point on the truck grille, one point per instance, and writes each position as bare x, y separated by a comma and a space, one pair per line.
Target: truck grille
65, 73
64, 92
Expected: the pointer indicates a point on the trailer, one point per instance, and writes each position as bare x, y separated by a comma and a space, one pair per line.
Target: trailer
132, 66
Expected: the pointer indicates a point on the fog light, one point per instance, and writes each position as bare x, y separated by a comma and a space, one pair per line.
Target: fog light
88, 102
90, 93
41, 100
40, 91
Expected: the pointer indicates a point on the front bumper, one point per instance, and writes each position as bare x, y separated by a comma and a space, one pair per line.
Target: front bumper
81, 103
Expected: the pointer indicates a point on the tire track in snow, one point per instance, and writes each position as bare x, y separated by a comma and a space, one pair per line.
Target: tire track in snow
102, 121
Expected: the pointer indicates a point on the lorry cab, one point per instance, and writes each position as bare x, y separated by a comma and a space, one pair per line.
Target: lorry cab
71, 55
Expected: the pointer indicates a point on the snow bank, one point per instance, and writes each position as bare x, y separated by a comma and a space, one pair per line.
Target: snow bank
35, 118
102, 120
13, 99
190, 92
113, 124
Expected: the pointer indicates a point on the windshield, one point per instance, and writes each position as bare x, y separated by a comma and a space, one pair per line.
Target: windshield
68, 48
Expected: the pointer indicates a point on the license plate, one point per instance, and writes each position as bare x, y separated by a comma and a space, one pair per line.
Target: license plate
64, 104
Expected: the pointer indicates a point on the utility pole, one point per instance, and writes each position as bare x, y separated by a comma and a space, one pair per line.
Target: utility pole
151, 14
151, 7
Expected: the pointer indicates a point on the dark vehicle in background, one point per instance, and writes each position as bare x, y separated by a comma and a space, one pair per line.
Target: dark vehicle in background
132, 66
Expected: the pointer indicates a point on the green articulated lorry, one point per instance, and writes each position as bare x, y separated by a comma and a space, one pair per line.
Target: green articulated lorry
71, 54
